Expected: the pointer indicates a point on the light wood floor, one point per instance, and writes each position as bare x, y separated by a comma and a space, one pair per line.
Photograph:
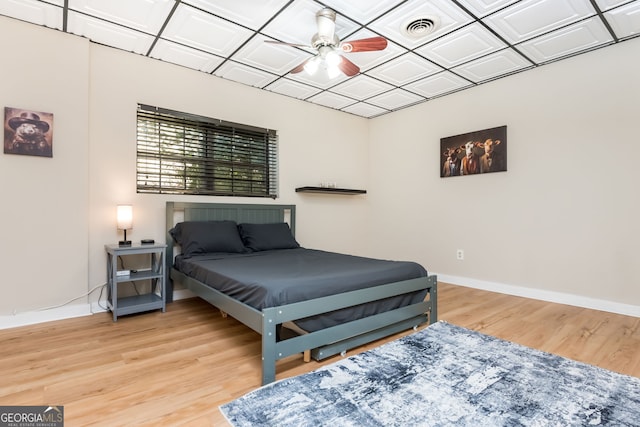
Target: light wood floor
175, 368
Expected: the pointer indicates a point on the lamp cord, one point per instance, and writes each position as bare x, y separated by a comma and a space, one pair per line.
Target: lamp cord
135, 286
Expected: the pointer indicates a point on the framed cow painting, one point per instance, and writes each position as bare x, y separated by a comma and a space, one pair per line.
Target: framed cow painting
28, 132
474, 153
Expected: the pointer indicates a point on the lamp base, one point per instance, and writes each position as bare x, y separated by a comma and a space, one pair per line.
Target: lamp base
124, 243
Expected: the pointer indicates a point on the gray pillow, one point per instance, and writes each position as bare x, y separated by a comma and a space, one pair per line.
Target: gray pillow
264, 237
199, 237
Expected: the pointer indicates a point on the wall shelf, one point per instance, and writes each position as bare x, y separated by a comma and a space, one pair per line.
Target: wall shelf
329, 190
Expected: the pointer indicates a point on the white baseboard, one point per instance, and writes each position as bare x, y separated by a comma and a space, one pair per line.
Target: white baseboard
33, 317
539, 294
67, 312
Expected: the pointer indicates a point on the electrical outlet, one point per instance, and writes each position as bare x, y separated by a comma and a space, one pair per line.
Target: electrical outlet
460, 254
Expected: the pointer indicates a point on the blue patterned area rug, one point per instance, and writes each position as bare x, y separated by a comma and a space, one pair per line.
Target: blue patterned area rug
445, 375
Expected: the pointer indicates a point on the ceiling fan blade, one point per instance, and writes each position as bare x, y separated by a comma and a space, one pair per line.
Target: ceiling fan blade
288, 44
364, 45
300, 67
348, 67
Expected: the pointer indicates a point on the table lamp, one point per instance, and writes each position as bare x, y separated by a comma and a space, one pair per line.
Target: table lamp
125, 222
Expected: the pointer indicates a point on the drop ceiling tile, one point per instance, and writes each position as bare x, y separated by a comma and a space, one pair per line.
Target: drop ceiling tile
404, 69
201, 30
395, 99
109, 34
485, 7
185, 56
361, 87
609, 4
333, 100
252, 14
362, 11
446, 13
504, 62
566, 41
292, 88
278, 59
462, 45
625, 20
364, 110
32, 11
297, 23
439, 84
243, 74
368, 60
142, 15
530, 18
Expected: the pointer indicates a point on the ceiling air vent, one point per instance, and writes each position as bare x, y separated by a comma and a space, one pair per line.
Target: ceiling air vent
417, 28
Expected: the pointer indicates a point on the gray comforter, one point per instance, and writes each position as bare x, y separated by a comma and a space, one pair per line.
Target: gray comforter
278, 277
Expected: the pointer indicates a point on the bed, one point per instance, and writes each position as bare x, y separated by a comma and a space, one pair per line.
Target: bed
322, 320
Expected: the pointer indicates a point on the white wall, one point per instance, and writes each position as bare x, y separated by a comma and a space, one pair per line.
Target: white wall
44, 200
564, 217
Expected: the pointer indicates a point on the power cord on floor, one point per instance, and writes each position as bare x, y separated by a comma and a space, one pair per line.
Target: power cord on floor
101, 286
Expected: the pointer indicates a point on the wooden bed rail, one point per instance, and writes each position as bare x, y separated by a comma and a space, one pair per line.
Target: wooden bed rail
341, 338
330, 341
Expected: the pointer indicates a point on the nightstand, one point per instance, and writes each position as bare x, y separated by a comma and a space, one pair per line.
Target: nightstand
154, 272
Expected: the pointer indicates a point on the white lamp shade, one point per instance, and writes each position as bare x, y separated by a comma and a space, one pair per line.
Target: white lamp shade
312, 66
333, 59
125, 217
333, 71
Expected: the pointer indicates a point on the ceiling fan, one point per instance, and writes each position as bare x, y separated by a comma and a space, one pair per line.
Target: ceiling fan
329, 48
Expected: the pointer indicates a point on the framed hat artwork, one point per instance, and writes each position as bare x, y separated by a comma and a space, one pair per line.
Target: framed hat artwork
28, 132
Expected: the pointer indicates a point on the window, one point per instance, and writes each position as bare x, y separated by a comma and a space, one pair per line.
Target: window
179, 153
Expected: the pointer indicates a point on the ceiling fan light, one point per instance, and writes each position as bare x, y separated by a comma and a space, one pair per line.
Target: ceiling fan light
312, 66
333, 59
333, 71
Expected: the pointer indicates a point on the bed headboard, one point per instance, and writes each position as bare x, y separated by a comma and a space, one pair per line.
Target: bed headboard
193, 211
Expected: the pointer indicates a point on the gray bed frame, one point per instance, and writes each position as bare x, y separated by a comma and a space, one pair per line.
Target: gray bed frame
323, 343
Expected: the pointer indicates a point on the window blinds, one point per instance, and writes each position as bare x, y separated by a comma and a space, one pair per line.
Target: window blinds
180, 153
